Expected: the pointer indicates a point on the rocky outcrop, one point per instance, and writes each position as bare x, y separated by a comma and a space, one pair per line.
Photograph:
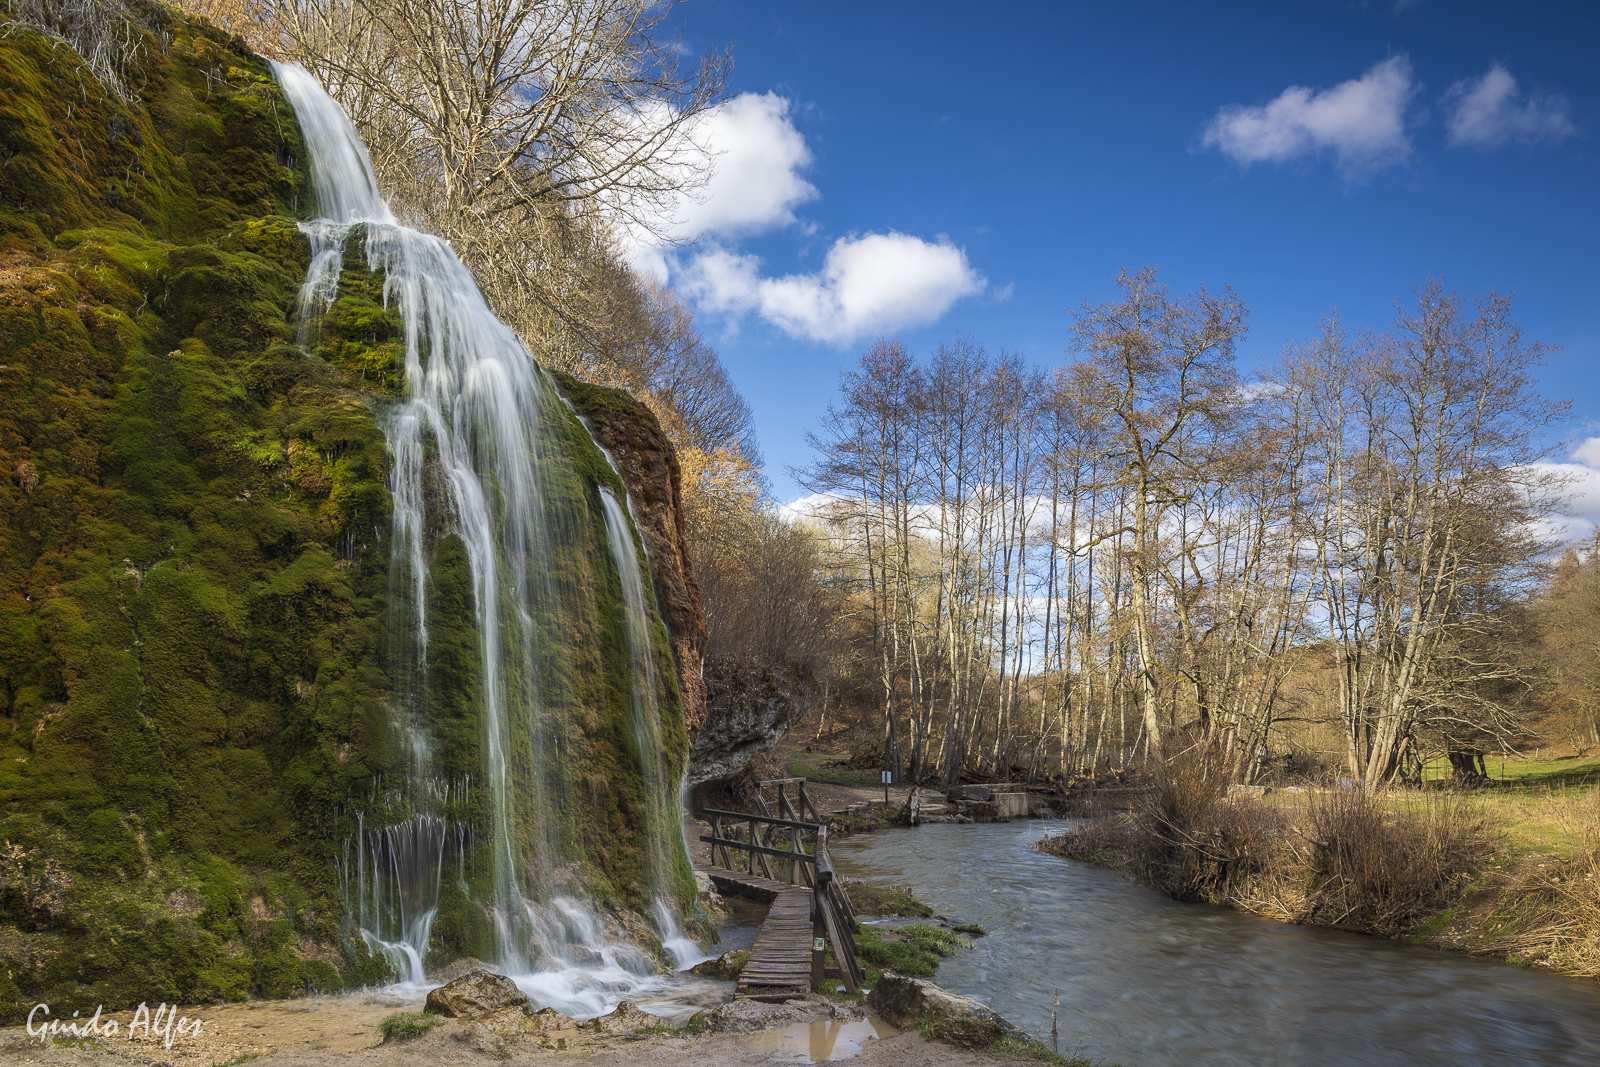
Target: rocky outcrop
725, 968
747, 712
475, 995
644, 456
907, 1001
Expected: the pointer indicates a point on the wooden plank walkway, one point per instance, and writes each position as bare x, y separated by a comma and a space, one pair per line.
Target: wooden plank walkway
781, 958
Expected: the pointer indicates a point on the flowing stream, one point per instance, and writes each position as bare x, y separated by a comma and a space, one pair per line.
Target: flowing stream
1150, 982
480, 445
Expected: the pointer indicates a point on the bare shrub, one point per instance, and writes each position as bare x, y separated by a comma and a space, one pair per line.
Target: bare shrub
1386, 866
1204, 844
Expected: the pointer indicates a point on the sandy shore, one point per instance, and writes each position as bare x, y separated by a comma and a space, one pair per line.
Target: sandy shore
342, 1031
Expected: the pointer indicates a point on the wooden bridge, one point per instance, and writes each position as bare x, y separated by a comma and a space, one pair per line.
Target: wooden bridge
807, 909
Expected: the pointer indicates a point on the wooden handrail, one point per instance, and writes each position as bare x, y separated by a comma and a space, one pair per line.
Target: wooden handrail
745, 816
760, 850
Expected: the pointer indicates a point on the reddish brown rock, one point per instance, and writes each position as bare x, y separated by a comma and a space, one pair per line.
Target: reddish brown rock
649, 466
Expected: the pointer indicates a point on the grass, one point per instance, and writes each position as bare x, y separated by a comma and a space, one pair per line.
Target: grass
1011, 1048
913, 950
827, 767
869, 899
405, 1025
246, 1057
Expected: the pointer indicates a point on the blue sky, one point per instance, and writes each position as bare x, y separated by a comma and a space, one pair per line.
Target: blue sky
919, 170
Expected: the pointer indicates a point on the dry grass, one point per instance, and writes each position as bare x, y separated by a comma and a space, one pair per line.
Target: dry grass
1386, 866
1381, 865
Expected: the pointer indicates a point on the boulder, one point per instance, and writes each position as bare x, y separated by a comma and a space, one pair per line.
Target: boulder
725, 968
747, 1015
475, 995
450, 972
905, 1001
625, 1019
970, 792
1237, 791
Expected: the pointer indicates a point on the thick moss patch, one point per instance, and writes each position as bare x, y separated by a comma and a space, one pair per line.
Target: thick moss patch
192, 565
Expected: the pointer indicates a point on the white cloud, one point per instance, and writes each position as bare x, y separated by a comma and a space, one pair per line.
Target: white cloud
755, 158
868, 284
1361, 121
1489, 111
1588, 453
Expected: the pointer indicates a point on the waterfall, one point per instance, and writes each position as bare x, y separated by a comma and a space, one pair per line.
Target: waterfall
499, 619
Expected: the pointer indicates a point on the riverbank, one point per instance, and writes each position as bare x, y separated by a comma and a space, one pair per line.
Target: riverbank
1510, 872
1146, 980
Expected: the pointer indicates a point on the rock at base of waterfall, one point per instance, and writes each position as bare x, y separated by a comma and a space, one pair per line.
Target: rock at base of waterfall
904, 1001
748, 1016
626, 1019
482, 1040
451, 971
475, 995
725, 968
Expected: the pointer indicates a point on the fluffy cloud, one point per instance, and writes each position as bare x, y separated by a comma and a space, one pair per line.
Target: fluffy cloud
1361, 121
873, 283
1489, 111
868, 284
758, 157
755, 159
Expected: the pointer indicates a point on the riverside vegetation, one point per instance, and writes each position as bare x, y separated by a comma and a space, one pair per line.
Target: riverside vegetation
1511, 871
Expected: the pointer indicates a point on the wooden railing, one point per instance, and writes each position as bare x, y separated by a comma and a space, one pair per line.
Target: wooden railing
753, 839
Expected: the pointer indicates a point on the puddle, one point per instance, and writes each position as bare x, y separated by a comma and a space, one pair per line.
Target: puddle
818, 1042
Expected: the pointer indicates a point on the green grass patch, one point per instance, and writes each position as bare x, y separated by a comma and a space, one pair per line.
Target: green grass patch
914, 950
405, 1025
869, 899
1011, 1048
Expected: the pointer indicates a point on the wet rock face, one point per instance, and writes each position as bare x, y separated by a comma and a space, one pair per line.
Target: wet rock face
649, 466
903, 1001
725, 968
747, 712
474, 996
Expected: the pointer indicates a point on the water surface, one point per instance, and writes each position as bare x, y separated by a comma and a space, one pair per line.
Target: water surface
1150, 982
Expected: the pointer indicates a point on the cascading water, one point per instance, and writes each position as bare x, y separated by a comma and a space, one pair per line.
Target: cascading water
511, 629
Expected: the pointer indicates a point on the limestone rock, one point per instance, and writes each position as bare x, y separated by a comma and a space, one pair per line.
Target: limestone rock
475, 995
626, 1018
970, 792
725, 968
749, 1016
903, 1000
482, 1040
450, 972
747, 712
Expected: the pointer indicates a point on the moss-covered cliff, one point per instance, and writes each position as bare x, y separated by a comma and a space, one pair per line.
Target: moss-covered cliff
187, 515
196, 684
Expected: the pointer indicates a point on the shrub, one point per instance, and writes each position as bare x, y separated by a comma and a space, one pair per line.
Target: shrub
1385, 867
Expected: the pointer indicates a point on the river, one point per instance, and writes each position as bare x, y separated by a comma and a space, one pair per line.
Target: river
1150, 982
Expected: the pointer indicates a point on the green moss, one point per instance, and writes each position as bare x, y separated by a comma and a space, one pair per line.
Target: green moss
198, 673
186, 573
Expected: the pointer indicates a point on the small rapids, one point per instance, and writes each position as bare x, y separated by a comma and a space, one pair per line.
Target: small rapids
474, 441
